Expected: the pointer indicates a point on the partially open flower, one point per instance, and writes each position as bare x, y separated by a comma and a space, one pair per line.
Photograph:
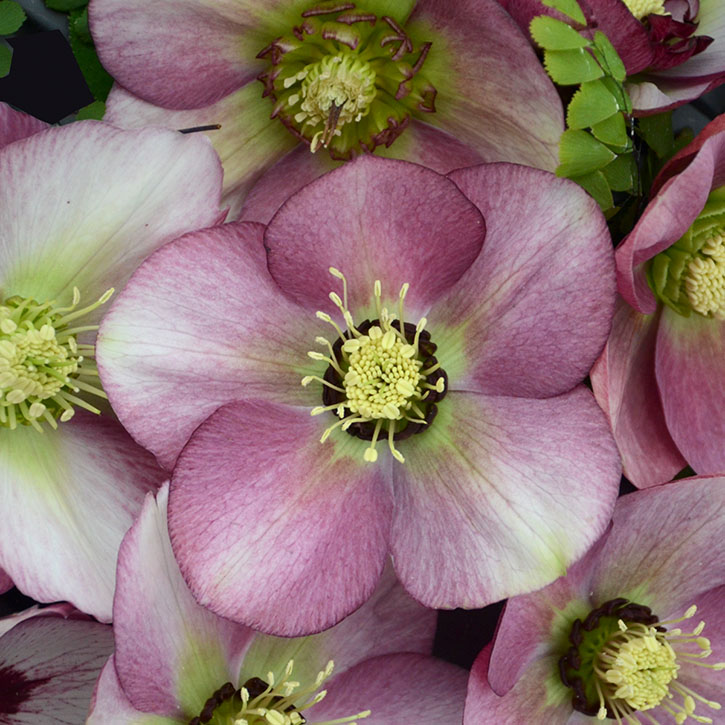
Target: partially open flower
634, 633
440, 416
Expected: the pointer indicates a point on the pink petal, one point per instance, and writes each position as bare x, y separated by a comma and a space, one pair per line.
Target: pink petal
272, 528
247, 142
69, 496
171, 654
500, 496
374, 219
131, 192
15, 125
493, 93
535, 308
62, 609
49, 666
5, 582
657, 93
398, 688
688, 365
625, 387
665, 547
202, 314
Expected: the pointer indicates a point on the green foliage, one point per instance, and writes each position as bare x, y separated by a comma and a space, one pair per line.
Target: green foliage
570, 8
657, 134
6, 58
569, 67
555, 35
580, 153
94, 111
12, 16
98, 80
608, 58
65, 6
596, 184
591, 104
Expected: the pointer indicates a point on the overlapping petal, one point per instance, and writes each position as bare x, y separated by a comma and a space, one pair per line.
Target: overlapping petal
15, 125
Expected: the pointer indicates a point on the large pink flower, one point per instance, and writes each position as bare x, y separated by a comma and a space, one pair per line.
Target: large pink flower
660, 377
445, 84
616, 635
674, 50
176, 662
82, 205
283, 519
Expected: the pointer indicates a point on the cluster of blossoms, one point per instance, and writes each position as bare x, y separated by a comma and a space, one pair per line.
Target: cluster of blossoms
274, 392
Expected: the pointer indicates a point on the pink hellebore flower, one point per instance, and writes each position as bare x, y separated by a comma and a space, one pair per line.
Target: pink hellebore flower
444, 84
464, 444
49, 661
176, 662
82, 205
674, 50
614, 639
660, 378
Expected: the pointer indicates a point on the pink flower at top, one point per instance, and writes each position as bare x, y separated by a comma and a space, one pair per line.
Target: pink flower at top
318, 437
660, 378
446, 84
674, 50
176, 662
634, 633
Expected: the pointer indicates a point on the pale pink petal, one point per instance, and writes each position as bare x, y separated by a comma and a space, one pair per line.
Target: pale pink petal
15, 125
48, 667
625, 387
68, 498
271, 527
374, 219
131, 191
398, 688
665, 547
200, 324
535, 307
247, 142
493, 93
657, 93
500, 496
688, 365
171, 654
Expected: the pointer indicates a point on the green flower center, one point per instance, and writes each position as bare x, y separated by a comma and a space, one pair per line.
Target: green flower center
622, 661
382, 377
43, 369
689, 276
346, 80
270, 702
642, 8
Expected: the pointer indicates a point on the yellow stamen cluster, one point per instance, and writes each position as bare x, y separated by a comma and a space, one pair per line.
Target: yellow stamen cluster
42, 366
333, 91
642, 8
382, 376
704, 280
283, 701
637, 671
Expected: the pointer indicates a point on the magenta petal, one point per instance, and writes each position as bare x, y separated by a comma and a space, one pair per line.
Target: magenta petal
500, 496
397, 688
272, 528
689, 358
374, 219
624, 385
536, 305
15, 125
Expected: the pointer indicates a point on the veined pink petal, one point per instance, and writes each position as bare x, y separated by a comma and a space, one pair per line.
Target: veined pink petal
493, 93
110, 197
665, 548
625, 387
500, 496
15, 125
397, 688
535, 308
48, 667
68, 498
688, 365
374, 219
171, 654
247, 142
62, 609
200, 324
272, 528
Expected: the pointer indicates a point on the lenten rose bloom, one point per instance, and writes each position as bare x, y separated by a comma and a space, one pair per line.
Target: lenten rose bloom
322, 436
620, 637
445, 84
176, 662
82, 206
674, 50
660, 376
